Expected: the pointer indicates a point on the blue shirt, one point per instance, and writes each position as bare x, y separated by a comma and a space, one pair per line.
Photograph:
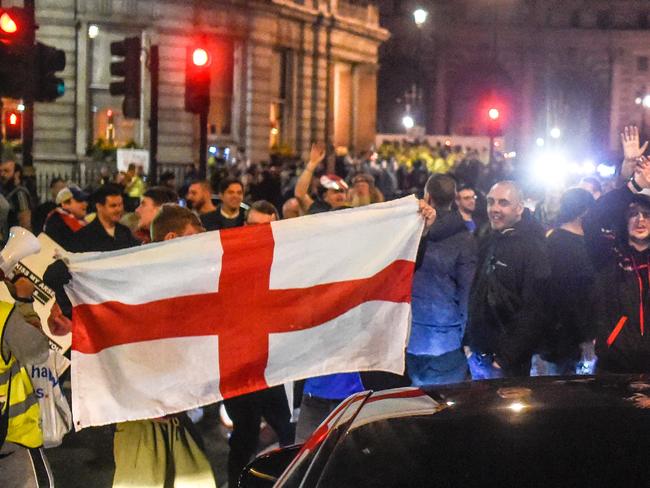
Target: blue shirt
334, 386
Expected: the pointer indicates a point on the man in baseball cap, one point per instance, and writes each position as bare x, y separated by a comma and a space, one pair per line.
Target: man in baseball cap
68, 217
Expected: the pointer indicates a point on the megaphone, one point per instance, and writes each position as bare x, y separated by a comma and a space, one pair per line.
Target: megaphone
21, 243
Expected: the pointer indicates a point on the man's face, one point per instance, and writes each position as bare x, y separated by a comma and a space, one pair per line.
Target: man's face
146, 211
503, 206
196, 196
232, 197
336, 198
112, 210
466, 200
638, 223
7, 171
76, 208
254, 218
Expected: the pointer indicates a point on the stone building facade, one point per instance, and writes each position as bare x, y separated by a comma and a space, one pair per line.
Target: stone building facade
581, 66
284, 73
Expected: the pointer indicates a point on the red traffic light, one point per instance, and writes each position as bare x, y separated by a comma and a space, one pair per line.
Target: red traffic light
200, 57
13, 125
493, 113
7, 23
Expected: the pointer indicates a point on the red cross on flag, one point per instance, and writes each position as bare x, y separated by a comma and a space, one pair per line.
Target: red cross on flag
171, 326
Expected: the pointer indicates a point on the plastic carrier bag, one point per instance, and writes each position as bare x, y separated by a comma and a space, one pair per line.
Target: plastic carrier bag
56, 417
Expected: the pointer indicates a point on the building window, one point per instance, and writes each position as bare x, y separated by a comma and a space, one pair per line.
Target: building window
604, 19
279, 111
221, 89
642, 64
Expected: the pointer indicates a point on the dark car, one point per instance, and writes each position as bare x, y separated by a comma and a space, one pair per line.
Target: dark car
551, 432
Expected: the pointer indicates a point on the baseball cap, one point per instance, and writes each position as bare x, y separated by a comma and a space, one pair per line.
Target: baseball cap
333, 182
69, 192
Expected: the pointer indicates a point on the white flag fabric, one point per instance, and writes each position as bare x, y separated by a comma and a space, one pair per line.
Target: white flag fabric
171, 326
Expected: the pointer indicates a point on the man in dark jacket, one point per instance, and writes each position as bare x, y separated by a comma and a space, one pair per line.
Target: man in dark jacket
440, 292
68, 217
105, 233
506, 310
618, 232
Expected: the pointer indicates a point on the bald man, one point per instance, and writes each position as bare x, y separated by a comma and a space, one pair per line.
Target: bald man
505, 312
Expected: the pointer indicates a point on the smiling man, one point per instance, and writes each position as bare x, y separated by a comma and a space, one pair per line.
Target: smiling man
105, 233
506, 312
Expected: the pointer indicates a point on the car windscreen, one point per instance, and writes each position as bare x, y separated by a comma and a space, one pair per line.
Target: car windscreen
595, 447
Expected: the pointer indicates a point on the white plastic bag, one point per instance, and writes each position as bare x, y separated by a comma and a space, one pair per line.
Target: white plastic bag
56, 417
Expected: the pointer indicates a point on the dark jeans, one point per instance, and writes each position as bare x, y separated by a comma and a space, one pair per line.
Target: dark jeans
246, 412
450, 367
313, 410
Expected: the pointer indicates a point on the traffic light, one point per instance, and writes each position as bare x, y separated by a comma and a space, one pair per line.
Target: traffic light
197, 79
13, 121
48, 60
128, 69
16, 53
494, 128
16, 29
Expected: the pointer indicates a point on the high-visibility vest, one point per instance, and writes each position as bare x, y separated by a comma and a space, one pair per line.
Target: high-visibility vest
24, 415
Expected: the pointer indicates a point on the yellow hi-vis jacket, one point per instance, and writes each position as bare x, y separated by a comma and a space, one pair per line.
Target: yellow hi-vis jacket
24, 415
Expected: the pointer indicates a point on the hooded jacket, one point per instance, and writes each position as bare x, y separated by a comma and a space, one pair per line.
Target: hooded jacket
506, 316
441, 287
621, 297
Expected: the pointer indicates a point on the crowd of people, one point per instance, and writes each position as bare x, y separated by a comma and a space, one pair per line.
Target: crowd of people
501, 288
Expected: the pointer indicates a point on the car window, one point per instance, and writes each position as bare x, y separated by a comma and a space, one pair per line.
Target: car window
580, 447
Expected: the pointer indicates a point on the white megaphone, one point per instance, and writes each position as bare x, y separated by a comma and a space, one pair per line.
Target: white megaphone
21, 243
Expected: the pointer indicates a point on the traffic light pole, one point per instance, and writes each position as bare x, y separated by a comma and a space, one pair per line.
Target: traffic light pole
203, 143
28, 114
154, 63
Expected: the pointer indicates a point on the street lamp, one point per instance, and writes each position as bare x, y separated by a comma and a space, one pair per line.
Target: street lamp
408, 122
420, 17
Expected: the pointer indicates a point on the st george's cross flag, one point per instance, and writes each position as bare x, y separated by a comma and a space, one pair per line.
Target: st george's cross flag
171, 326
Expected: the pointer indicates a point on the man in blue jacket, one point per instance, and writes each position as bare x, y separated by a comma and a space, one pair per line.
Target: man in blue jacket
440, 294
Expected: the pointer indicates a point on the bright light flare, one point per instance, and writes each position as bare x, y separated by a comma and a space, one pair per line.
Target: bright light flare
7, 24
420, 16
93, 31
606, 171
517, 407
555, 133
551, 169
408, 122
540, 142
20, 107
13, 119
493, 113
200, 57
646, 101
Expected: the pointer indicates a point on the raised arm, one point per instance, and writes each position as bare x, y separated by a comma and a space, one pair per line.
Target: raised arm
301, 192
